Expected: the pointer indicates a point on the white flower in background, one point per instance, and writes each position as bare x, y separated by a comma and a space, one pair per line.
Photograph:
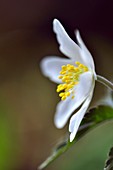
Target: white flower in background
76, 78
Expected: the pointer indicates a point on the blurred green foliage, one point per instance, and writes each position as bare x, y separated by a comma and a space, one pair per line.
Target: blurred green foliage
90, 152
7, 158
91, 120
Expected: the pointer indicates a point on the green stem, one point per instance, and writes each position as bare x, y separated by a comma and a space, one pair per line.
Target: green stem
105, 82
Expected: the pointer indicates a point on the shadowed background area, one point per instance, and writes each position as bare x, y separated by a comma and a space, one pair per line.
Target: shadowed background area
27, 99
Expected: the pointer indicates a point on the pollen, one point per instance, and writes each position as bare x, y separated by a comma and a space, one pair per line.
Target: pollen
70, 75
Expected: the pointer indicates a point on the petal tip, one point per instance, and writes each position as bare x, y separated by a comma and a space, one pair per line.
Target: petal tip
77, 31
55, 21
43, 64
72, 137
58, 123
57, 26
77, 34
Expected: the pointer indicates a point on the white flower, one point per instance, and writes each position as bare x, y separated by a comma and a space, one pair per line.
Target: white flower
76, 76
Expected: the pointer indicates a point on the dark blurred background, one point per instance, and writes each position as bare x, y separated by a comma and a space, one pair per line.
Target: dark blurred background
27, 99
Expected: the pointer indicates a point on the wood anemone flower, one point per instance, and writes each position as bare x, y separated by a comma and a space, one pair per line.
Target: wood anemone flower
76, 78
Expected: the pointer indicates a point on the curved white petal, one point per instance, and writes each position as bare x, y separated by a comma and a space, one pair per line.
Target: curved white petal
65, 108
67, 46
78, 116
87, 57
51, 67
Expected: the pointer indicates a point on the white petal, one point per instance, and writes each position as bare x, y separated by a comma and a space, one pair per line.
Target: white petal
66, 107
51, 67
78, 116
67, 46
87, 57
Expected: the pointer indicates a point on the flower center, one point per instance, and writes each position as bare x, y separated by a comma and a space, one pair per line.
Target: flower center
69, 75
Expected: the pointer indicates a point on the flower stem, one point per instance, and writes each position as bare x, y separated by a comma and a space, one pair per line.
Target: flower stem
105, 82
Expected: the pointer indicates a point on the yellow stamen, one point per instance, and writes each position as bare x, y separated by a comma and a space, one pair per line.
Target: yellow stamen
73, 97
77, 63
63, 67
81, 66
70, 75
76, 69
60, 77
61, 94
68, 94
63, 98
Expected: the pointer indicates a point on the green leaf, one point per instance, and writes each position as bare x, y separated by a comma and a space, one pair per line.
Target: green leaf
91, 119
109, 161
